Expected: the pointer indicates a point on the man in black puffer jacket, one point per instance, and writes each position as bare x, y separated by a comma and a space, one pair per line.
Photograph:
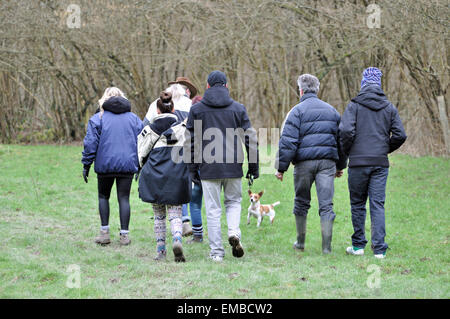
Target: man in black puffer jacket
309, 139
370, 129
218, 125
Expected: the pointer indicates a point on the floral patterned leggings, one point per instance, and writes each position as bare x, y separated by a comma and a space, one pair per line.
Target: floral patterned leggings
174, 214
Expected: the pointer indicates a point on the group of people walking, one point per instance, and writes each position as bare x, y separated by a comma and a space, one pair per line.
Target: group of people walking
178, 162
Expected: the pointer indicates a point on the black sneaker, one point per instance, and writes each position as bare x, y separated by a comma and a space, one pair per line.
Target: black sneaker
237, 249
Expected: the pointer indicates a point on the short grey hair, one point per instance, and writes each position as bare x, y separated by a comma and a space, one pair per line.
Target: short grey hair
308, 83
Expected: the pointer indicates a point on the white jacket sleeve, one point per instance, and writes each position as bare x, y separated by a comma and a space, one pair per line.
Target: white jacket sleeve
146, 139
151, 113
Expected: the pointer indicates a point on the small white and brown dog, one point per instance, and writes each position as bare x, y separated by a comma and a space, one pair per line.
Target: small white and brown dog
259, 211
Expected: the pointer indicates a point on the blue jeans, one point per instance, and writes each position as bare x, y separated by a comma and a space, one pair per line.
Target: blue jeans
368, 182
184, 213
195, 207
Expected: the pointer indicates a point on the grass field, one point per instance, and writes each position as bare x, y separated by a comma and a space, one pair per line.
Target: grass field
48, 220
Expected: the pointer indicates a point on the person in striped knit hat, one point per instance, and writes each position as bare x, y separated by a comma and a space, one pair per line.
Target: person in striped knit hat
371, 75
370, 129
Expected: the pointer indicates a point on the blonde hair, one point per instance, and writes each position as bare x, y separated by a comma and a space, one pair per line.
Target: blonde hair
109, 92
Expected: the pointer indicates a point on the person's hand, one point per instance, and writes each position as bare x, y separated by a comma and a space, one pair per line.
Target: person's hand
339, 173
279, 175
251, 176
253, 170
195, 177
136, 176
86, 172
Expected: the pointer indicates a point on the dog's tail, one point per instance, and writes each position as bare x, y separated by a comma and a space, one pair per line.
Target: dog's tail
275, 204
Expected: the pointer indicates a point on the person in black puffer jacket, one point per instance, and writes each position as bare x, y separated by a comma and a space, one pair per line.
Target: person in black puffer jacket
370, 129
310, 140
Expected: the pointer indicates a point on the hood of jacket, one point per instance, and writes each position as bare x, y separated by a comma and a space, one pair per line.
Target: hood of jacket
162, 122
372, 97
217, 96
117, 105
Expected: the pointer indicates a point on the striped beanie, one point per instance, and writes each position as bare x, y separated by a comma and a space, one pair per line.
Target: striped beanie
371, 75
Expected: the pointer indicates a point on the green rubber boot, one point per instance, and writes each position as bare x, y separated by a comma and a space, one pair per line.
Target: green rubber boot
300, 223
326, 226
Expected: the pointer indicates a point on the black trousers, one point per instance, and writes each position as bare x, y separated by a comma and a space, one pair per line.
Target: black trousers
123, 186
368, 182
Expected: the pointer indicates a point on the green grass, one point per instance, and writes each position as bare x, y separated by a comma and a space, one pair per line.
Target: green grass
48, 220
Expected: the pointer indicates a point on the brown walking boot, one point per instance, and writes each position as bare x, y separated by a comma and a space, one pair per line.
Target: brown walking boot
187, 229
124, 239
103, 238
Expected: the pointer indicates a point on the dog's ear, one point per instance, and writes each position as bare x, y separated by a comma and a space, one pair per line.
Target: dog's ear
261, 193
249, 193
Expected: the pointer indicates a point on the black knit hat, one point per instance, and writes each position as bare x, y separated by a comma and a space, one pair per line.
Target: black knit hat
217, 78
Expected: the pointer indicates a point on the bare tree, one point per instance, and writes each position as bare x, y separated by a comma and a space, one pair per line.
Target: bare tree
51, 75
